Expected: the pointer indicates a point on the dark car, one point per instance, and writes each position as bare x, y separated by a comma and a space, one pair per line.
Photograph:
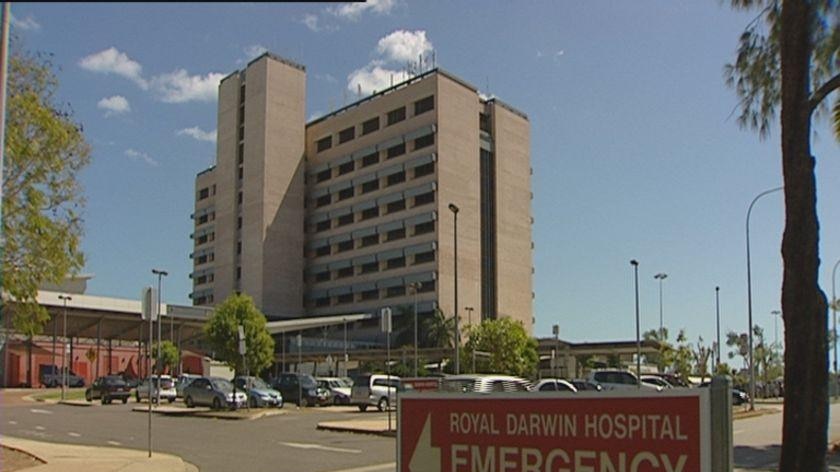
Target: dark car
301, 389
583, 385
108, 388
739, 397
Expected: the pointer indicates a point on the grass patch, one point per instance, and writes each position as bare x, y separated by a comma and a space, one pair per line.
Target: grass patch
55, 394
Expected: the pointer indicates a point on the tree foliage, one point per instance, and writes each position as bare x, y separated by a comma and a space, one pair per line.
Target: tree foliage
42, 199
439, 330
222, 333
511, 350
169, 355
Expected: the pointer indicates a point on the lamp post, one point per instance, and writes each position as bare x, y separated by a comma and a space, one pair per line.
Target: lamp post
469, 310
776, 314
415, 287
65, 299
660, 277
555, 330
454, 209
749, 297
635, 265
834, 304
717, 317
160, 274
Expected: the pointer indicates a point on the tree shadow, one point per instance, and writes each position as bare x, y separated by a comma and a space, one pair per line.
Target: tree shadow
766, 458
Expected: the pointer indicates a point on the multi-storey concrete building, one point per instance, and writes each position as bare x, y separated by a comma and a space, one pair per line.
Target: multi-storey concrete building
344, 213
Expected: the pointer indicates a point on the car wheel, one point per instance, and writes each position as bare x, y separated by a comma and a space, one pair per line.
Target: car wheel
252, 402
171, 399
280, 404
217, 405
189, 402
137, 396
363, 408
125, 400
88, 397
383, 404
104, 400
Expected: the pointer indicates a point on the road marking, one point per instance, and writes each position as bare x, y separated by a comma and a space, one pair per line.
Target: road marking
12, 422
115, 443
40, 428
371, 468
321, 448
75, 435
40, 412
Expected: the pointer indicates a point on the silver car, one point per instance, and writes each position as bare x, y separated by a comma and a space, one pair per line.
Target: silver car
214, 392
165, 384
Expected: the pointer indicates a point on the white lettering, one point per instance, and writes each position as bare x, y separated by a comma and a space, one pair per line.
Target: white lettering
607, 464
457, 459
590, 426
680, 435
666, 461
504, 462
554, 455
531, 460
667, 431
643, 456
453, 423
489, 463
605, 427
579, 458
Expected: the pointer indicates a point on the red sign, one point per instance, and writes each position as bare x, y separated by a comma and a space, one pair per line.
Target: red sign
531, 432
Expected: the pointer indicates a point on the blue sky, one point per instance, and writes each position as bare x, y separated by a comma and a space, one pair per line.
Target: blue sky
634, 152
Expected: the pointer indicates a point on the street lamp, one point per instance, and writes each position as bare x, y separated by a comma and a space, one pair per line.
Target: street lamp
65, 299
160, 274
660, 277
469, 310
415, 287
635, 265
454, 209
834, 304
717, 316
749, 297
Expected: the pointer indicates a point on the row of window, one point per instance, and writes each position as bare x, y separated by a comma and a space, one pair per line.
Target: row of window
392, 117
371, 240
205, 218
368, 295
205, 258
373, 158
371, 213
204, 279
204, 300
373, 185
206, 192
372, 267
205, 238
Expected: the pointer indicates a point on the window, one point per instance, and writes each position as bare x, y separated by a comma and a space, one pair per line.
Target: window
203, 193
484, 122
346, 168
370, 213
423, 170
238, 222
395, 151
370, 240
370, 126
424, 198
201, 280
344, 272
424, 228
423, 257
370, 186
396, 206
427, 287
345, 246
202, 219
322, 276
323, 251
370, 267
370, 159
238, 273
423, 105
323, 175
370, 294
323, 200
395, 234
241, 155
346, 298
394, 179
424, 141
239, 247
324, 143
241, 172
322, 302
345, 194
241, 132
397, 291
395, 263
395, 116
345, 220
201, 260
322, 225
346, 134
239, 197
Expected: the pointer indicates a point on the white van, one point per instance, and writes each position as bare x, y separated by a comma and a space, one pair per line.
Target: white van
378, 390
619, 380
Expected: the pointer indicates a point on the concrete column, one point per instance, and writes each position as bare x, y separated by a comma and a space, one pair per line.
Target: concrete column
110, 355
98, 340
721, 410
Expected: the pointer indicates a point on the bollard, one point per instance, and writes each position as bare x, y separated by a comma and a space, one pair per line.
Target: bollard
721, 425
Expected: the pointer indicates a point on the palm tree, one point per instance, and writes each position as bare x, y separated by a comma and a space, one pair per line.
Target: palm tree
439, 330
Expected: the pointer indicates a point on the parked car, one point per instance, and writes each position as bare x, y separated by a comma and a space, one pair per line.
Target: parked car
585, 385
260, 394
51, 376
656, 381
301, 389
181, 382
675, 380
377, 390
165, 384
214, 392
614, 379
739, 397
554, 385
108, 388
484, 383
338, 387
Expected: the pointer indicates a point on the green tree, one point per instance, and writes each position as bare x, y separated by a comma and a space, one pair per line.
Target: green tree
701, 355
439, 330
169, 355
665, 355
222, 333
788, 57
681, 357
511, 350
42, 199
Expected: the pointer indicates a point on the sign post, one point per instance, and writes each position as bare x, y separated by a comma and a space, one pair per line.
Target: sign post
148, 299
385, 323
242, 351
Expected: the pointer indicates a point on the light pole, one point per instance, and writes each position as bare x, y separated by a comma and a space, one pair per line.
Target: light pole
469, 310
776, 314
454, 209
160, 274
415, 287
555, 329
834, 304
65, 299
660, 277
635, 265
749, 297
717, 316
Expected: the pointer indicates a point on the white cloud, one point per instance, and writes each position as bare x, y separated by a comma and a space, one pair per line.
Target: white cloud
311, 22
141, 156
253, 51
180, 87
373, 77
25, 24
402, 45
198, 134
114, 105
354, 11
112, 61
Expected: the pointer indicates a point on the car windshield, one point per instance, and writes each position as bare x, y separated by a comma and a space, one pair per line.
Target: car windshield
114, 381
307, 381
257, 382
222, 385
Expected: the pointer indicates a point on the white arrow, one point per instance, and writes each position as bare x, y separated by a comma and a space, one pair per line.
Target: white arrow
425, 458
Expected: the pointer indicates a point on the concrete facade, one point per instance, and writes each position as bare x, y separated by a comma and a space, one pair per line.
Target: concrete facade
342, 214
